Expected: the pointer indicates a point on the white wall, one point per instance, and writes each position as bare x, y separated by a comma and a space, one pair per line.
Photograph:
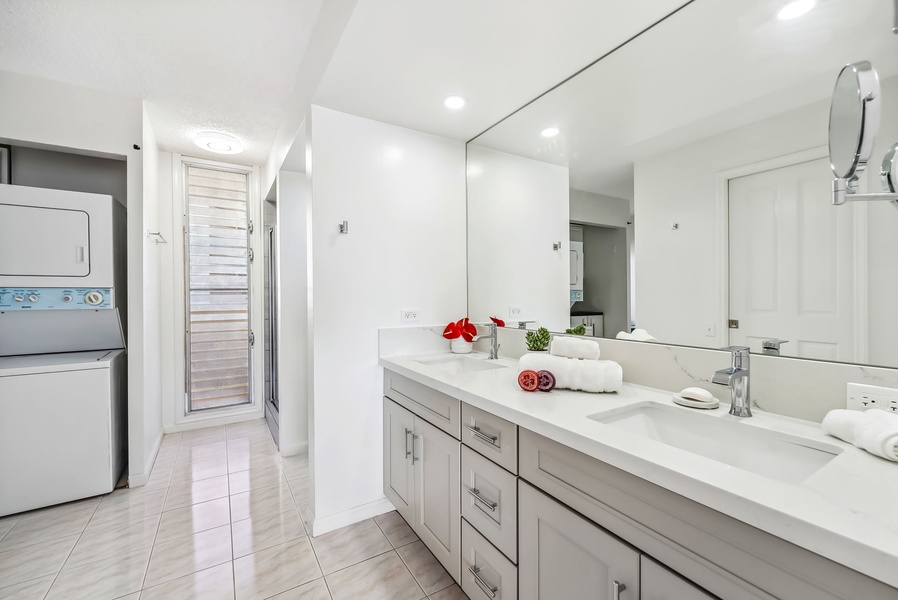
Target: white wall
403, 193
517, 209
598, 209
294, 201
152, 335
48, 113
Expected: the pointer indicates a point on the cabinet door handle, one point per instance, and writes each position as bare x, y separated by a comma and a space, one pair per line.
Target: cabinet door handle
414, 456
476, 494
616, 588
490, 591
407, 451
489, 439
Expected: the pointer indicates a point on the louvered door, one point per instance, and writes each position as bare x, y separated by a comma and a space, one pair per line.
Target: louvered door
218, 294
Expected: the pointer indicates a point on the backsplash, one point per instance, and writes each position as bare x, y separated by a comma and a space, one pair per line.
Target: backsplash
805, 389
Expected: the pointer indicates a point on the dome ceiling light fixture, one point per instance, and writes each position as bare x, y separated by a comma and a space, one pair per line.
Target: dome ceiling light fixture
220, 143
550, 132
454, 102
794, 9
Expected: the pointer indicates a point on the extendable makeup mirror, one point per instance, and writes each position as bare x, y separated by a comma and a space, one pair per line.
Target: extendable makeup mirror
853, 125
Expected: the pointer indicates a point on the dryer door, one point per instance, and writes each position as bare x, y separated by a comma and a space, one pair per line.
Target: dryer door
44, 242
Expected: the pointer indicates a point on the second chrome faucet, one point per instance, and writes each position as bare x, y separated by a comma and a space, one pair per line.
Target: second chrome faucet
736, 378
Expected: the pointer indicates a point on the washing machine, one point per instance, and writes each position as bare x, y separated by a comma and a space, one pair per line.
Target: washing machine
62, 339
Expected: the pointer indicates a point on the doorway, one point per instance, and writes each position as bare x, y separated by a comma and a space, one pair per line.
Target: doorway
217, 265
791, 264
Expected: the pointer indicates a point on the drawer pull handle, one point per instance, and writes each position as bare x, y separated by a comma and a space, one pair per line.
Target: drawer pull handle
414, 456
407, 451
489, 439
476, 494
490, 591
616, 588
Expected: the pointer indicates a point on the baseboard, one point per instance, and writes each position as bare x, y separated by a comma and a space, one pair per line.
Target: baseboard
294, 449
140, 479
348, 517
213, 422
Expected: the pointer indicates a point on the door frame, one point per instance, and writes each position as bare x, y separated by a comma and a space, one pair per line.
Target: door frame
175, 417
859, 233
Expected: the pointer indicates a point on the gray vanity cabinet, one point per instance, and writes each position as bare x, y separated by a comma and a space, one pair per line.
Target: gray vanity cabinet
399, 469
659, 583
562, 555
422, 473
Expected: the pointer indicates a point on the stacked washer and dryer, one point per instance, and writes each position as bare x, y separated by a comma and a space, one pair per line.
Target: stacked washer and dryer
63, 386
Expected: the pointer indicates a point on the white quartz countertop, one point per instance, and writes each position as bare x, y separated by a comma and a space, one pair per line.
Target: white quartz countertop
846, 511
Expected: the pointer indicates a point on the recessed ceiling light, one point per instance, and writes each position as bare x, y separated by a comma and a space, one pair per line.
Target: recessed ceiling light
454, 102
549, 132
794, 9
220, 143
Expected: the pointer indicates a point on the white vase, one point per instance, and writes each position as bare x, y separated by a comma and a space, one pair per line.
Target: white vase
460, 346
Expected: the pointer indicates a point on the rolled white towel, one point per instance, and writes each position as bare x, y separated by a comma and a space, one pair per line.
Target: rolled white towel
874, 430
575, 374
573, 347
641, 335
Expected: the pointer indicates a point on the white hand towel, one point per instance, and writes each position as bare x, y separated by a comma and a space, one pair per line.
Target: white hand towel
575, 374
573, 347
874, 430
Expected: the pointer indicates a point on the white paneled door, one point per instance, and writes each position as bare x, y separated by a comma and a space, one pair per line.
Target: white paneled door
791, 263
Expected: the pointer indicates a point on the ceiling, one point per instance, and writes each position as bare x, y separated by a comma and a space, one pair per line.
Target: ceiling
689, 79
225, 65
398, 59
231, 65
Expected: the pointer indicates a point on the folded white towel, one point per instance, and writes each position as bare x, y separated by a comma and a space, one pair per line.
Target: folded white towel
574, 347
874, 430
576, 374
639, 335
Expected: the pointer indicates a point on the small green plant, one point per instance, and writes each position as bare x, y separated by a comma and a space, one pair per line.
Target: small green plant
538, 340
578, 330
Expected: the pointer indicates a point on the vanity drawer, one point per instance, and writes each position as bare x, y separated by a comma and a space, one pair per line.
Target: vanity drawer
434, 407
493, 437
490, 501
485, 573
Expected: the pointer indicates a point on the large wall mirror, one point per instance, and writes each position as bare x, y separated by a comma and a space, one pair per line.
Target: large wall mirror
681, 185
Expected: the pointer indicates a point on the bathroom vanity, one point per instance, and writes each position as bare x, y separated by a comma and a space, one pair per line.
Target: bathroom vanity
628, 496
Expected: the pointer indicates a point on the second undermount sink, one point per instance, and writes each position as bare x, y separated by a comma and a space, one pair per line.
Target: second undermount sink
460, 364
779, 456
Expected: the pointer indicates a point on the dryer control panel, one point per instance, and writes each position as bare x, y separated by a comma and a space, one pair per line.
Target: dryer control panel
32, 299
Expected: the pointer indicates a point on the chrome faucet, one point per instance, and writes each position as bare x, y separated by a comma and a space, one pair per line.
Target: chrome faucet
493, 337
736, 378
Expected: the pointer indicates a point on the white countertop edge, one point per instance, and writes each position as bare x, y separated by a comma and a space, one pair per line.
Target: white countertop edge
799, 514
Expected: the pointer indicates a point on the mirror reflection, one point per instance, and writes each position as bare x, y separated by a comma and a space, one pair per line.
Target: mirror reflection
681, 187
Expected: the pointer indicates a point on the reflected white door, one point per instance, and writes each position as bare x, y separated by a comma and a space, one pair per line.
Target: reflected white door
791, 263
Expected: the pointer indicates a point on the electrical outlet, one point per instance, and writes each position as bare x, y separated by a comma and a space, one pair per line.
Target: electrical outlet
410, 315
862, 397
710, 330
514, 311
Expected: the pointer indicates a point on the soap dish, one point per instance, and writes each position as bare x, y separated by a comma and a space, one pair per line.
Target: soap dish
679, 399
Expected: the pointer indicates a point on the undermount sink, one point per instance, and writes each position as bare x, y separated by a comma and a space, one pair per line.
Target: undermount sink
460, 364
773, 454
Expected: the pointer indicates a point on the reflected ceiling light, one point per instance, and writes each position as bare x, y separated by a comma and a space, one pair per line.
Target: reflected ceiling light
454, 102
550, 132
220, 143
794, 9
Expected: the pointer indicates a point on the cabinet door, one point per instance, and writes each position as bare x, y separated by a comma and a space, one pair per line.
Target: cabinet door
399, 475
659, 583
438, 476
562, 555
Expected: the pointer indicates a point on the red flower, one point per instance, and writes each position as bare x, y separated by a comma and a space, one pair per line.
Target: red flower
498, 321
462, 328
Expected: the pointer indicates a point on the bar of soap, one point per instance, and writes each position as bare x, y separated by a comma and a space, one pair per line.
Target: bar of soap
697, 394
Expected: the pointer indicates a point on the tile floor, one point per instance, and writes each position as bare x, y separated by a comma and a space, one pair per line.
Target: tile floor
217, 520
